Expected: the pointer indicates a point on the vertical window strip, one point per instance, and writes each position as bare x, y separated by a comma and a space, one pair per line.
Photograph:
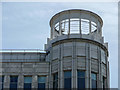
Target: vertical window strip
13, 82
81, 79
1, 82
55, 80
27, 82
94, 80
103, 83
41, 82
67, 79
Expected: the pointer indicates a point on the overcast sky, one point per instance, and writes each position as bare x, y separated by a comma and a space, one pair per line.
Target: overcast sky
26, 26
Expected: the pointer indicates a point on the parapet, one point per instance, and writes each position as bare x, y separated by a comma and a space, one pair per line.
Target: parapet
75, 21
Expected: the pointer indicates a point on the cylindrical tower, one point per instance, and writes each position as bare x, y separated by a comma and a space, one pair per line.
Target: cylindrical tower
76, 50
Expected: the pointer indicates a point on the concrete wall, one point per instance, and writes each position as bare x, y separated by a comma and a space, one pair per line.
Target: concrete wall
78, 55
24, 64
24, 69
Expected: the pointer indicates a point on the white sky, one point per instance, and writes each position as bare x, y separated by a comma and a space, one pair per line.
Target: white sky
26, 25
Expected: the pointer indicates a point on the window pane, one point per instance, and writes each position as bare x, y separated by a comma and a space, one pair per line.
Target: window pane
13, 78
1, 78
55, 80
67, 83
81, 79
94, 84
94, 80
13, 86
67, 74
41, 85
27, 85
81, 82
2, 82
27, 82
41, 79
67, 79
13, 82
41, 82
27, 79
55, 76
81, 74
93, 75
103, 82
55, 84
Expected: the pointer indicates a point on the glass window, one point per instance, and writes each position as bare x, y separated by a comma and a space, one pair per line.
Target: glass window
81, 79
55, 80
41, 82
13, 82
94, 80
103, 83
27, 82
1, 82
67, 79
1, 78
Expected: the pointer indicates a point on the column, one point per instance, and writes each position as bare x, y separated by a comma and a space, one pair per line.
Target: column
50, 71
34, 81
107, 73
99, 80
89, 59
7, 81
80, 26
89, 26
20, 81
61, 66
60, 28
74, 66
53, 31
108, 77
88, 67
97, 22
47, 82
69, 26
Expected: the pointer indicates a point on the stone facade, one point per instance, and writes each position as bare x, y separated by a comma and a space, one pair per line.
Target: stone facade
65, 50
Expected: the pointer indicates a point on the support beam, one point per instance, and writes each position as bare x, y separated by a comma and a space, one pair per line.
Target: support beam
90, 26
80, 26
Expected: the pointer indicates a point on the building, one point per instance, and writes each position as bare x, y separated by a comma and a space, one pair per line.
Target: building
75, 56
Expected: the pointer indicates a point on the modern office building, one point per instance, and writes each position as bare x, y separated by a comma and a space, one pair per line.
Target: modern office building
75, 56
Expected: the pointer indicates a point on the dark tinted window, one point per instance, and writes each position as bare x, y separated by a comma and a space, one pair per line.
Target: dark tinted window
94, 80
103, 83
55, 80
1, 82
41, 82
1, 78
27, 82
67, 79
13, 82
13, 79
81, 79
